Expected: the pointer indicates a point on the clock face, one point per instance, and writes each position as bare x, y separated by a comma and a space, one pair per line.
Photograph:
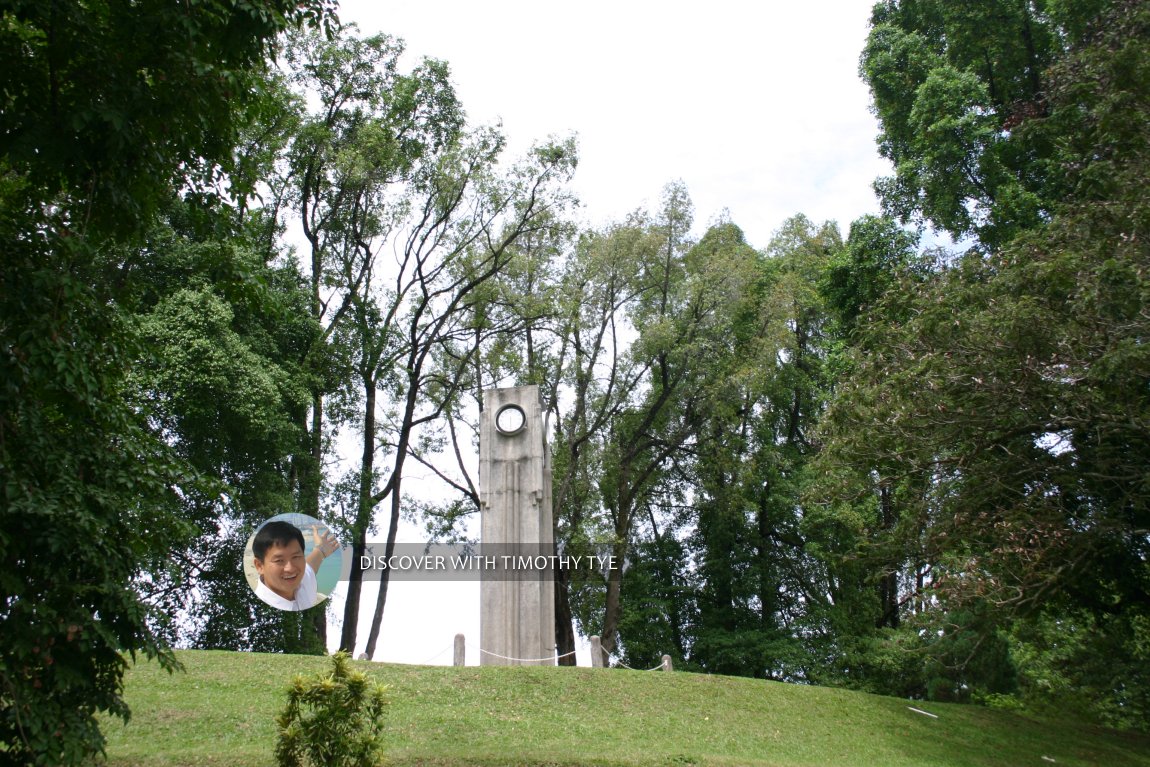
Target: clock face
510, 420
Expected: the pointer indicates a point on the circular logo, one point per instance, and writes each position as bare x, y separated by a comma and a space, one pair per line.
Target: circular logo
293, 561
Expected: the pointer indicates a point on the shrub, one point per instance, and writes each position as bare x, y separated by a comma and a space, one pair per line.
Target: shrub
332, 720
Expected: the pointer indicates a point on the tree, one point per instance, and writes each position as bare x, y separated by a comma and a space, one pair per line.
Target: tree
876, 252
345, 161
955, 87
554, 318
100, 124
757, 585
224, 382
1012, 396
723, 630
384, 164
650, 425
451, 255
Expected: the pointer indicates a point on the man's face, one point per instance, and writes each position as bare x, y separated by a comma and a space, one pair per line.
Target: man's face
282, 568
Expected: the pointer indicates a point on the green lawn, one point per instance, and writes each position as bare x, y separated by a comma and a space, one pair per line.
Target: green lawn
221, 711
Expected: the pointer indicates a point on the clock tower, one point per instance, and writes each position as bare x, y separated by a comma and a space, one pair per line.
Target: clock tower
517, 598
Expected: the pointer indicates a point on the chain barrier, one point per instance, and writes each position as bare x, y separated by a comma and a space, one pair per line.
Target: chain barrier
437, 655
526, 660
624, 665
614, 660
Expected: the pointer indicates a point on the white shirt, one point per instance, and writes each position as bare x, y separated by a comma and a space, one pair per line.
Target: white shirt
305, 595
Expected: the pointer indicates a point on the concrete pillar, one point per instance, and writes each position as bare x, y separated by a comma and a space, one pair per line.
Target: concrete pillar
596, 652
460, 658
517, 609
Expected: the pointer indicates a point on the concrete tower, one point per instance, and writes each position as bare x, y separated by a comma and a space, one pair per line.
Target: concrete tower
517, 605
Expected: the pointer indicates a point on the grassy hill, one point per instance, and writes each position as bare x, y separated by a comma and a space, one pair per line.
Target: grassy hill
221, 712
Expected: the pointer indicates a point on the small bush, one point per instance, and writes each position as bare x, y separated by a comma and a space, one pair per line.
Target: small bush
332, 720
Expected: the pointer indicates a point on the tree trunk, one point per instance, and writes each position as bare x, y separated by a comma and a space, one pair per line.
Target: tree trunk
381, 598
564, 629
309, 466
365, 507
613, 609
888, 583
401, 447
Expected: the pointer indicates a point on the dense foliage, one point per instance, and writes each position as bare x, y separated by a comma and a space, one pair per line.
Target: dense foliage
1001, 406
100, 126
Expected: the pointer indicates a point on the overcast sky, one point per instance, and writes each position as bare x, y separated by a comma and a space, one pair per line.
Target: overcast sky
756, 106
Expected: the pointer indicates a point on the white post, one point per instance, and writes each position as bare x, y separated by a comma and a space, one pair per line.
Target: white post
596, 652
460, 650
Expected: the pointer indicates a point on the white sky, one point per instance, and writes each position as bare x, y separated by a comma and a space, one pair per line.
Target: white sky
756, 106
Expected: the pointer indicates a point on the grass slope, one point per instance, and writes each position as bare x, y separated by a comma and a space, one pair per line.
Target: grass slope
221, 712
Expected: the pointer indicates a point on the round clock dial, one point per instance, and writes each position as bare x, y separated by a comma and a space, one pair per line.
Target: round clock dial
510, 419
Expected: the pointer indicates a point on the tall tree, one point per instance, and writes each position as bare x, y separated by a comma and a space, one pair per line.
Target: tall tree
1012, 394
352, 152
723, 272
226, 386
649, 427
464, 238
592, 373
101, 122
954, 87
383, 165
555, 318
732, 497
